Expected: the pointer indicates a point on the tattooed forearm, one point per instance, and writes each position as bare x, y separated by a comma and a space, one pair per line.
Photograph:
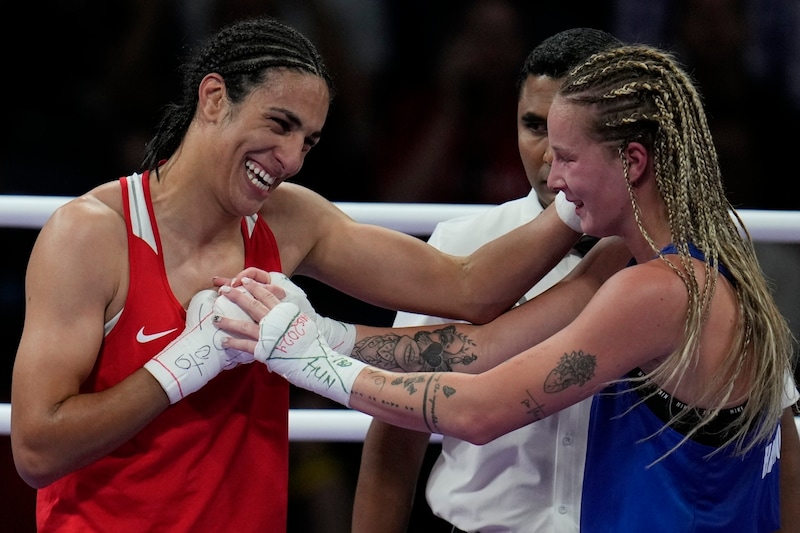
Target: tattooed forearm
575, 368
433, 389
427, 383
532, 407
409, 383
378, 378
427, 351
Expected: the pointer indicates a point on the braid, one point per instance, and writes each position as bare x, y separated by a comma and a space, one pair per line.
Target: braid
638, 93
243, 54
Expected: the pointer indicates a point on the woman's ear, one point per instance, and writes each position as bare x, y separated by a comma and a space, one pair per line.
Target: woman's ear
638, 158
211, 97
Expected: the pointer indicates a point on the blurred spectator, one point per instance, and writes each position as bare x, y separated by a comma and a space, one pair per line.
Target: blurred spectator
735, 51
448, 139
744, 110
95, 73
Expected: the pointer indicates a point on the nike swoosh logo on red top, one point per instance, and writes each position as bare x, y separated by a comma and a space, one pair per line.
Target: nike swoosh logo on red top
143, 337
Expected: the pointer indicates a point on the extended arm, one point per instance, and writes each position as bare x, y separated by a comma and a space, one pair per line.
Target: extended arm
397, 271
564, 369
392, 457
453, 346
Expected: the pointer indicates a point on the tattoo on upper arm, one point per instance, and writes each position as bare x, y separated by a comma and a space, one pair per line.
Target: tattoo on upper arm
427, 351
574, 368
533, 407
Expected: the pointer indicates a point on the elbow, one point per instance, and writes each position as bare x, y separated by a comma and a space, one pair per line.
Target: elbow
481, 312
478, 438
483, 434
32, 480
480, 307
484, 314
477, 432
34, 468
36, 477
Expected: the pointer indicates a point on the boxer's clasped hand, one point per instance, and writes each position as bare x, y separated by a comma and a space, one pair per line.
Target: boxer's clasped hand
340, 336
197, 355
290, 344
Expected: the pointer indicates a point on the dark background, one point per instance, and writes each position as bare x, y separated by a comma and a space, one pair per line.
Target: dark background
85, 81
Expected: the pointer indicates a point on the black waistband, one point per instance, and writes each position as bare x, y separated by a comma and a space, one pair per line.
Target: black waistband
665, 406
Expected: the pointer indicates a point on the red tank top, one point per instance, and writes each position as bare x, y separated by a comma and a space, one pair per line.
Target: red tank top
215, 461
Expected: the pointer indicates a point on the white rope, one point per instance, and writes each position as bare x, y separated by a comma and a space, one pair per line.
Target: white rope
305, 425
416, 219
344, 425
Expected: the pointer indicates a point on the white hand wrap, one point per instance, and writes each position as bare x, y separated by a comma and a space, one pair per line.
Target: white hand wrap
290, 344
566, 212
197, 356
340, 336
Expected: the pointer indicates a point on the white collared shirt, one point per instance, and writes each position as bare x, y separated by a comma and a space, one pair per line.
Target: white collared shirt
528, 480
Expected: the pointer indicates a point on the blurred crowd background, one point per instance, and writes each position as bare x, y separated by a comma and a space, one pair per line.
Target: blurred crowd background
425, 112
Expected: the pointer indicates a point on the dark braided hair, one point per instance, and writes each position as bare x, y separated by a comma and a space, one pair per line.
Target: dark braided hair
242, 53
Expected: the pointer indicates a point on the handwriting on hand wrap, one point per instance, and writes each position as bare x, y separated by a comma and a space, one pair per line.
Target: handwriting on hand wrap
295, 332
197, 359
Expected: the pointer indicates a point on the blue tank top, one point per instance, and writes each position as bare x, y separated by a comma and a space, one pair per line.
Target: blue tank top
630, 486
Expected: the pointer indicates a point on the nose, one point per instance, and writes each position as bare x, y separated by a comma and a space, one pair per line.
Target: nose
554, 179
291, 153
554, 182
547, 157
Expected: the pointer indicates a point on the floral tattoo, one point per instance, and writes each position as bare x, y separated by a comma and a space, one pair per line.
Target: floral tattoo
427, 351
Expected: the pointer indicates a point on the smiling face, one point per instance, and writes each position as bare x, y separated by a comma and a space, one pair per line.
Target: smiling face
535, 97
589, 172
264, 140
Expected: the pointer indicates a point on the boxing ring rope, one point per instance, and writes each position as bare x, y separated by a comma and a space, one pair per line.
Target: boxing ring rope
345, 425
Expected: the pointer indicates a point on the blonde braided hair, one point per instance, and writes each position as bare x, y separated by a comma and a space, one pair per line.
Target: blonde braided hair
639, 93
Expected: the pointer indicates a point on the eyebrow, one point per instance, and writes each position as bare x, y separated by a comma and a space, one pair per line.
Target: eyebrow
295, 121
533, 116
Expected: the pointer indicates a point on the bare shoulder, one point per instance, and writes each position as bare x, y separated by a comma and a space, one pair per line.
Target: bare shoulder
646, 277
75, 281
291, 199
651, 286
638, 314
293, 208
98, 210
301, 220
84, 239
